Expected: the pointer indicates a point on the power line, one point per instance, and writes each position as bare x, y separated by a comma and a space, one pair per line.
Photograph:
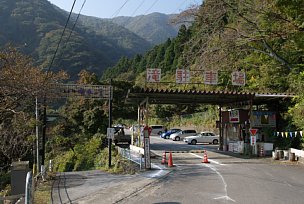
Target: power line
129, 19
151, 7
141, 17
66, 24
143, 1
118, 10
74, 25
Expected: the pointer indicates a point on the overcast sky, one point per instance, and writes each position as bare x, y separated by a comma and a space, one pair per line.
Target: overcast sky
114, 8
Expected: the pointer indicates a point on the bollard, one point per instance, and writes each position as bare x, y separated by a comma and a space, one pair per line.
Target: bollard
292, 157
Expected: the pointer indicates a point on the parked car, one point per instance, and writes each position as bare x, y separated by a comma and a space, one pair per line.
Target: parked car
166, 135
203, 137
157, 129
181, 134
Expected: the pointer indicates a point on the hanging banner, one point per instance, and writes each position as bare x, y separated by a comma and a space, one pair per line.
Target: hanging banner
290, 134
211, 77
278, 133
301, 133
238, 78
296, 133
182, 76
286, 134
153, 75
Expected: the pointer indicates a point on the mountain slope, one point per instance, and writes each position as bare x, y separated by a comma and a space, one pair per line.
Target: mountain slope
35, 27
155, 27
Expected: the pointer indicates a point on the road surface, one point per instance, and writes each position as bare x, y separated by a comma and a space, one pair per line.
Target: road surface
226, 179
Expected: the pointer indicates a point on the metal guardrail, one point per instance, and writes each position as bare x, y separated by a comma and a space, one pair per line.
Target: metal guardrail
27, 196
133, 156
29, 188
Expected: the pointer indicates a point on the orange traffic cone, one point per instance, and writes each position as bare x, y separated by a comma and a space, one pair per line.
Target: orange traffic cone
205, 160
164, 158
170, 161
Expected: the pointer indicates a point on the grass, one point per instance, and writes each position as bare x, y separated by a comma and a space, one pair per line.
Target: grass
42, 194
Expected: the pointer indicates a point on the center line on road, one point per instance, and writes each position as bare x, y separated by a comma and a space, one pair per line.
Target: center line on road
212, 161
225, 197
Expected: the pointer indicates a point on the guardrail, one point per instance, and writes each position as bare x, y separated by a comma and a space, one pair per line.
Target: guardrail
27, 196
136, 157
29, 188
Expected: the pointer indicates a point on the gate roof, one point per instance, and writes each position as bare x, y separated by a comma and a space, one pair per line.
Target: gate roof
170, 96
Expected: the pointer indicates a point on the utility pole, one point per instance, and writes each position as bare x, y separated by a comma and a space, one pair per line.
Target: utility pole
110, 123
43, 136
37, 136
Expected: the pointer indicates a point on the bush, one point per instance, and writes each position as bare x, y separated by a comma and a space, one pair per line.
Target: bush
5, 179
82, 157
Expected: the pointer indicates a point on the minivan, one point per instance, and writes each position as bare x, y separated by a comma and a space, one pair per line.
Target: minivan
157, 129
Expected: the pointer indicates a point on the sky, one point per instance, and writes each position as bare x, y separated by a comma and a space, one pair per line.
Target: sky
114, 8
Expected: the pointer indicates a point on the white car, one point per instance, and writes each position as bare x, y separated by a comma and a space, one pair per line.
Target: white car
181, 134
203, 137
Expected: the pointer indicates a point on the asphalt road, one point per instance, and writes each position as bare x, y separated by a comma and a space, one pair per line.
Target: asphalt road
226, 179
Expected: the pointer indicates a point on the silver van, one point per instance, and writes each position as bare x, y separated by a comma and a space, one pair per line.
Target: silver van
157, 129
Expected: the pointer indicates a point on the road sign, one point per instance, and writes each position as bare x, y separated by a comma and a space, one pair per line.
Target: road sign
253, 140
110, 133
253, 131
87, 91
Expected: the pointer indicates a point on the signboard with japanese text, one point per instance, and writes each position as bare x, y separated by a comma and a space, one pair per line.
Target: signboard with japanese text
147, 152
87, 91
211, 77
234, 116
110, 133
182, 76
153, 75
252, 140
238, 78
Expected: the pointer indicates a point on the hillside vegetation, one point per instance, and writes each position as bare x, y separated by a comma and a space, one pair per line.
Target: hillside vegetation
35, 27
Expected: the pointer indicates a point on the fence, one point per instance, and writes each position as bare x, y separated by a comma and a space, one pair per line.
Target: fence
136, 157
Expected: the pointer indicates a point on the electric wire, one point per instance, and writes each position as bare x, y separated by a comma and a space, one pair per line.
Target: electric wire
142, 16
151, 6
142, 2
74, 25
129, 19
62, 34
118, 10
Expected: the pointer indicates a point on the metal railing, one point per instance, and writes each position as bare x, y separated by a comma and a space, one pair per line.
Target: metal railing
29, 188
133, 156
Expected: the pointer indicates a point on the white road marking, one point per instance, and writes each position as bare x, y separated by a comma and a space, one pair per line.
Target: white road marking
158, 173
212, 161
226, 197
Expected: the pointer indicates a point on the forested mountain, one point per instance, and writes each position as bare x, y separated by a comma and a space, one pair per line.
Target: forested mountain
264, 39
35, 27
155, 27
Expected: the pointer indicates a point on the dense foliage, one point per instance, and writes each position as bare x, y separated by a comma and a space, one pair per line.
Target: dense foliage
20, 84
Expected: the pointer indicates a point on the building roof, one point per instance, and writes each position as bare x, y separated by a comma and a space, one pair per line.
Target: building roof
170, 96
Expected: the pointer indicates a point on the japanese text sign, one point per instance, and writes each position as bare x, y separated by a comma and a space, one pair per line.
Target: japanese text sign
182, 76
211, 77
238, 78
153, 75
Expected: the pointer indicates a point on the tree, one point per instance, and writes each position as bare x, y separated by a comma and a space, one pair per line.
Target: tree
20, 83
